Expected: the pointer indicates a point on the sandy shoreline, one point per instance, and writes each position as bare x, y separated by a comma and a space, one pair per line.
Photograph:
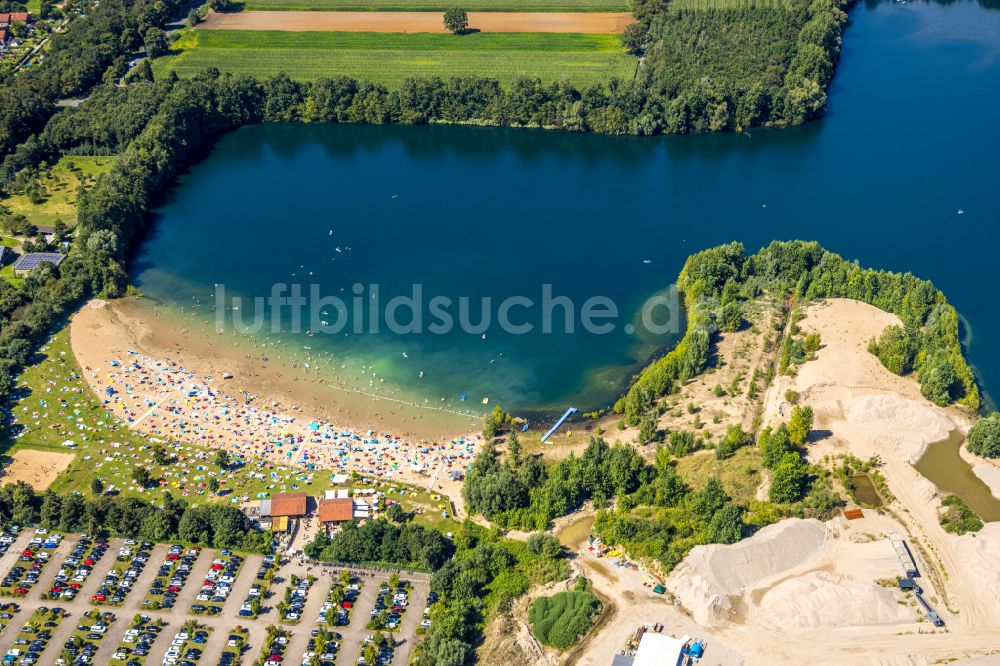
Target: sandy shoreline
179, 380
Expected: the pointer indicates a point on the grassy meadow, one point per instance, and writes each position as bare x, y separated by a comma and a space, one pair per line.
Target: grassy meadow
61, 184
439, 5
388, 58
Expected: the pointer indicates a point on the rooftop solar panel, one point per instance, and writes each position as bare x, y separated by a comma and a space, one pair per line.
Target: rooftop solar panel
32, 259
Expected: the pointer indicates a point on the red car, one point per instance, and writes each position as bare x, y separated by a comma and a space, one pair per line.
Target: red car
218, 567
173, 557
98, 597
347, 605
88, 563
173, 588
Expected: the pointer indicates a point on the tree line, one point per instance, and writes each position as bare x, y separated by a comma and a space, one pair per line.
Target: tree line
92, 48
214, 525
381, 542
928, 343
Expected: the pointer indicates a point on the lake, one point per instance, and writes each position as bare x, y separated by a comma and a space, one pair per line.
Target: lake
942, 464
911, 139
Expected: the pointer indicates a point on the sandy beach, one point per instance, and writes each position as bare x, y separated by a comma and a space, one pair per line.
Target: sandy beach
179, 380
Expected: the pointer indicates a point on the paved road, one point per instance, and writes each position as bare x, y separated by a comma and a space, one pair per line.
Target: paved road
354, 634
411, 620
9, 558
301, 632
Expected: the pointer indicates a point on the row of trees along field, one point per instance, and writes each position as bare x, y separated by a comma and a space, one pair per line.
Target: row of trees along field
709, 68
216, 525
713, 280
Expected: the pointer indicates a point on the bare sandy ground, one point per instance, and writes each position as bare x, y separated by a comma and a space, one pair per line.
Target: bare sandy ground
37, 468
583, 22
132, 329
805, 592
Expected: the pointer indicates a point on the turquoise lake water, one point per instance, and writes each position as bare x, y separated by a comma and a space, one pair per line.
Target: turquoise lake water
912, 137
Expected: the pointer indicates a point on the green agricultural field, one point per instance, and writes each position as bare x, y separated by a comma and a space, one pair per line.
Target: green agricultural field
439, 5
388, 58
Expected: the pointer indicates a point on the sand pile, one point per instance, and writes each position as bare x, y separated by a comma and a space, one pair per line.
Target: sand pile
990, 475
710, 576
821, 599
896, 424
979, 553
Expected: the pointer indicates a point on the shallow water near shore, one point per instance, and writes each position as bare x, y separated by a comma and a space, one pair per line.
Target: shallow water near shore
945, 468
910, 140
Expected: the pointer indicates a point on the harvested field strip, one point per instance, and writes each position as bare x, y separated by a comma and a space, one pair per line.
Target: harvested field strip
389, 58
438, 5
413, 22
390, 41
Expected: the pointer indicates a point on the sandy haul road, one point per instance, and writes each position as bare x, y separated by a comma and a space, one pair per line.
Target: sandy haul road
582, 22
804, 592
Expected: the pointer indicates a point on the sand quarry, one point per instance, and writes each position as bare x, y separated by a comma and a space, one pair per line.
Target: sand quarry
37, 468
594, 23
807, 592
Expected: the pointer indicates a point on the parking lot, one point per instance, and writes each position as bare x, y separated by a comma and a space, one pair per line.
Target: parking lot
190, 601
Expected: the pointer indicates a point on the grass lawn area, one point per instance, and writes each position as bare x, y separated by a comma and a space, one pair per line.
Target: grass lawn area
439, 5
7, 273
388, 58
740, 474
61, 184
34, 6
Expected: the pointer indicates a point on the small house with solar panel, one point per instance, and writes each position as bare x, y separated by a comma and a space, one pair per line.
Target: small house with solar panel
28, 261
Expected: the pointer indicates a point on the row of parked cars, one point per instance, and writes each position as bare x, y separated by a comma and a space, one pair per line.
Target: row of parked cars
76, 568
218, 582
95, 626
256, 594
343, 616
395, 607
172, 575
116, 585
24, 575
321, 648
298, 602
7, 538
33, 639
182, 654
137, 641
274, 652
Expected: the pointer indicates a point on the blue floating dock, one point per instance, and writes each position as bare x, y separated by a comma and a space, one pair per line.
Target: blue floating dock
569, 412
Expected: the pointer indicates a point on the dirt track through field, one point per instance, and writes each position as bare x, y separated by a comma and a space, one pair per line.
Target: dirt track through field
589, 23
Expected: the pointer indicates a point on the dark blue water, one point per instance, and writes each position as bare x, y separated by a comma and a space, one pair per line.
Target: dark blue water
911, 138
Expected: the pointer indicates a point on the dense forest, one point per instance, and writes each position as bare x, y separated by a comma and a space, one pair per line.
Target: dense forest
92, 48
380, 542
216, 525
928, 343
721, 65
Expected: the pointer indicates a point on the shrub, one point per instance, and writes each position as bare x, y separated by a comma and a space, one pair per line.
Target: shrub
560, 620
984, 438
